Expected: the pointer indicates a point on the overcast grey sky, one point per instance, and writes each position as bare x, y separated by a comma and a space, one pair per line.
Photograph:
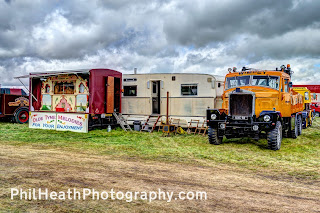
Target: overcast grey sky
204, 36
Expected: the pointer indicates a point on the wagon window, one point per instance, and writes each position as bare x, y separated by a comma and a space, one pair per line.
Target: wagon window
130, 91
47, 90
81, 88
64, 88
189, 89
154, 87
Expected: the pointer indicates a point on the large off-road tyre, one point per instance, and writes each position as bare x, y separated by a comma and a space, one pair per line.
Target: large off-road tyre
304, 122
274, 137
294, 131
299, 125
21, 116
213, 136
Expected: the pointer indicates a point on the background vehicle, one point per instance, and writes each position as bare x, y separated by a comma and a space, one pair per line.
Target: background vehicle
308, 113
257, 103
14, 104
316, 107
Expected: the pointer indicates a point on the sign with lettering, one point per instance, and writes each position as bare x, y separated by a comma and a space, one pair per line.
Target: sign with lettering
72, 122
59, 121
42, 120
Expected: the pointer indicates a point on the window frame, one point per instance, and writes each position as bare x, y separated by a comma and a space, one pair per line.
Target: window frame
136, 91
227, 87
190, 84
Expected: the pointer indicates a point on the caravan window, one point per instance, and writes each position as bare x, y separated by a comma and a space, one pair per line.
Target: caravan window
130, 91
189, 89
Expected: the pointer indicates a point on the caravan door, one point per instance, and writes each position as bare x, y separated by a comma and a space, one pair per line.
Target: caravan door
109, 102
155, 93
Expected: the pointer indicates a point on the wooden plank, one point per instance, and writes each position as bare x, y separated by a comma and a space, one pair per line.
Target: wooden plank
110, 94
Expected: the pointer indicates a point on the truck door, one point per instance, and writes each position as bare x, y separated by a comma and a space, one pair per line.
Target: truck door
109, 102
286, 98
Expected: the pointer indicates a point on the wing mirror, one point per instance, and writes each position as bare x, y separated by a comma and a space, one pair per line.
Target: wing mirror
290, 84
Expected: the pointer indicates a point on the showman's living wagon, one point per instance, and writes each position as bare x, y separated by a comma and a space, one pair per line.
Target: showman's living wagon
74, 100
14, 104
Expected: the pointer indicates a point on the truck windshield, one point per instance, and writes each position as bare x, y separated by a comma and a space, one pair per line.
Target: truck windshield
266, 81
238, 81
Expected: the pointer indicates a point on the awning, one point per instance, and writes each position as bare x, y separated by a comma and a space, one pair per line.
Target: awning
52, 73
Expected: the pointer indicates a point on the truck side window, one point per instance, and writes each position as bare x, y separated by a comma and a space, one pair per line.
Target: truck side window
286, 86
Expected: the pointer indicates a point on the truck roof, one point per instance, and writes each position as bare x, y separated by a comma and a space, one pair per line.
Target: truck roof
259, 72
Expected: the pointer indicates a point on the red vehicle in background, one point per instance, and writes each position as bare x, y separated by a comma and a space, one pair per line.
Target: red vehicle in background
316, 107
14, 104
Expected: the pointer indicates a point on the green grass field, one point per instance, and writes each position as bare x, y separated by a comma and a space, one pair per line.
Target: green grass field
299, 157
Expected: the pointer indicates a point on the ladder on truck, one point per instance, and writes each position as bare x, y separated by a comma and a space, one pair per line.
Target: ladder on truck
150, 123
122, 122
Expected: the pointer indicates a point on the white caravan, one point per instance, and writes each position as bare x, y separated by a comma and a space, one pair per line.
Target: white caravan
189, 95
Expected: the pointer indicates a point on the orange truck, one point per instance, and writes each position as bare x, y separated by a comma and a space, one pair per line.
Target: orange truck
257, 104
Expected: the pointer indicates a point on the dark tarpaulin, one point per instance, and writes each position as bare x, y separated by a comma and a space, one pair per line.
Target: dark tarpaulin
35, 88
97, 89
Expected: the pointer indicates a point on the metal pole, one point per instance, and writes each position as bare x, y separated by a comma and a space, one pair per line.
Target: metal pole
167, 120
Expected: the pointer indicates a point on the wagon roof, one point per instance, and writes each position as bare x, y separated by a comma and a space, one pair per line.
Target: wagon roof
51, 73
217, 77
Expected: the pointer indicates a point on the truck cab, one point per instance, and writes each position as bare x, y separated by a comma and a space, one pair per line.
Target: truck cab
257, 104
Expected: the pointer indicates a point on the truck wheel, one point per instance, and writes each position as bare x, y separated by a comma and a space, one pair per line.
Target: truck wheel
294, 132
299, 125
22, 116
213, 136
274, 137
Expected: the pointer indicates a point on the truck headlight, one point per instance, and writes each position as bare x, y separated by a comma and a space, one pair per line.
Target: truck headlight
213, 117
222, 126
266, 118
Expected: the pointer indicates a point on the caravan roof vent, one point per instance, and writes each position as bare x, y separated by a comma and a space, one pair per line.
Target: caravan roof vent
129, 79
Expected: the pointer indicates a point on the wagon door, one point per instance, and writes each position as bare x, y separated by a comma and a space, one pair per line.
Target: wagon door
156, 97
109, 102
